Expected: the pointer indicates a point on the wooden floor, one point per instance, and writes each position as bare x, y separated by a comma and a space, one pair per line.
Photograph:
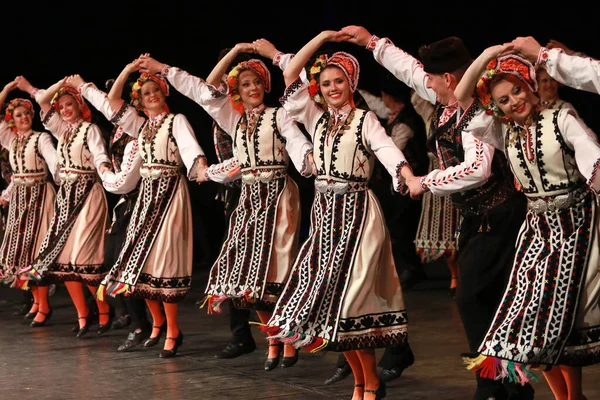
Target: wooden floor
50, 363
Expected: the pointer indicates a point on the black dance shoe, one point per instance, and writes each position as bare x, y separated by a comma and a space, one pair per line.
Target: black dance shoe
271, 363
23, 310
387, 375
287, 362
233, 350
172, 352
153, 341
380, 392
340, 374
29, 314
83, 330
103, 328
122, 322
134, 339
35, 324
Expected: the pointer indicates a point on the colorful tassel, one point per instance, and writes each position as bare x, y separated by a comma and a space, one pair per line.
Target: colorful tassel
101, 293
124, 288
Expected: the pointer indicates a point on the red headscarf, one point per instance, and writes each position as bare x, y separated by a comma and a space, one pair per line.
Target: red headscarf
255, 65
10, 109
344, 61
86, 114
136, 90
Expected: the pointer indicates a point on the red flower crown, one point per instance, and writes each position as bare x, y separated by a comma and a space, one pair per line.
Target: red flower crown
10, 109
233, 76
86, 114
136, 90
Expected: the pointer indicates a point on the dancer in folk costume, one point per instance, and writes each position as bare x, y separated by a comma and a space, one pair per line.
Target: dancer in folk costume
439, 221
155, 262
69, 252
262, 239
31, 198
549, 317
124, 179
344, 293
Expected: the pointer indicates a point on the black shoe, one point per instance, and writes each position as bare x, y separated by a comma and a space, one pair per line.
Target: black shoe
153, 341
380, 392
122, 322
233, 350
35, 324
289, 361
172, 352
410, 277
23, 310
103, 328
387, 375
83, 330
93, 319
133, 339
31, 315
340, 373
271, 363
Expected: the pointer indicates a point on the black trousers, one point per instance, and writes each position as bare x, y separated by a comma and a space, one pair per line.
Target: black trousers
113, 242
486, 250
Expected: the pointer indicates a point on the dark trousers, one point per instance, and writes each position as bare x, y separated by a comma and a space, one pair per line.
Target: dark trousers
485, 258
403, 222
113, 242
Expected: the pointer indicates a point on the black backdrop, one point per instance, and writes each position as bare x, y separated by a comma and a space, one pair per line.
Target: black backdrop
44, 42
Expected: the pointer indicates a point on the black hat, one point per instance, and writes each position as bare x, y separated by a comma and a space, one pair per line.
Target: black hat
446, 55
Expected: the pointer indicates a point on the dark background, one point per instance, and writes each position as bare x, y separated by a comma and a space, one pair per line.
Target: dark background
44, 42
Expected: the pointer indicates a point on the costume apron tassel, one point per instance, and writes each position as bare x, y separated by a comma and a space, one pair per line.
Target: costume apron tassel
101, 292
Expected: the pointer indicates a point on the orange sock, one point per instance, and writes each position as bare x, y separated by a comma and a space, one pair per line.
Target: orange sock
369, 368
172, 326
44, 307
35, 306
158, 317
75, 290
357, 371
264, 317
103, 307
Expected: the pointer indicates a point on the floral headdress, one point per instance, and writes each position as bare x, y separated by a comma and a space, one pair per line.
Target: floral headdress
86, 114
345, 61
510, 64
255, 65
136, 90
10, 109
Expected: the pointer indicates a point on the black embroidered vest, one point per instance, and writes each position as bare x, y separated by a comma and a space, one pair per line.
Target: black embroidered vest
500, 185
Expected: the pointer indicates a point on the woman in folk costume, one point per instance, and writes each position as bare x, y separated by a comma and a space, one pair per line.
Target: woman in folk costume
31, 202
344, 293
262, 238
155, 262
549, 317
69, 252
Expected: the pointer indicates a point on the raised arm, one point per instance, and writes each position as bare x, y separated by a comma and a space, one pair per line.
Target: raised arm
295, 67
43, 98
95, 96
221, 68
465, 90
115, 95
9, 87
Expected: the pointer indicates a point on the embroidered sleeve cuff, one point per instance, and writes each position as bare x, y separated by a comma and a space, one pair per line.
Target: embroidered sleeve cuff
165, 71
402, 188
542, 57
372, 43
192, 175
119, 114
307, 168
592, 179
423, 183
277, 58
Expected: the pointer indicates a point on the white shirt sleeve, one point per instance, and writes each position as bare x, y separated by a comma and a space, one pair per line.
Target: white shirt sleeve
189, 149
578, 72
97, 146
282, 60
488, 129
222, 172
128, 177
48, 151
586, 146
215, 101
297, 144
384, 148
300, 106
6, 135
98, 99
6, 193
375, 104
404, 67
474, 171
54, 123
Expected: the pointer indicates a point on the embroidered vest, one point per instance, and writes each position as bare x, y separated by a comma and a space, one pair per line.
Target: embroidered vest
553, 170
265, 147
481, 199
73, 150
26, 157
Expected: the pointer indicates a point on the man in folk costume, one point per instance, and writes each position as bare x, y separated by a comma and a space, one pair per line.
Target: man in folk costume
477, 178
